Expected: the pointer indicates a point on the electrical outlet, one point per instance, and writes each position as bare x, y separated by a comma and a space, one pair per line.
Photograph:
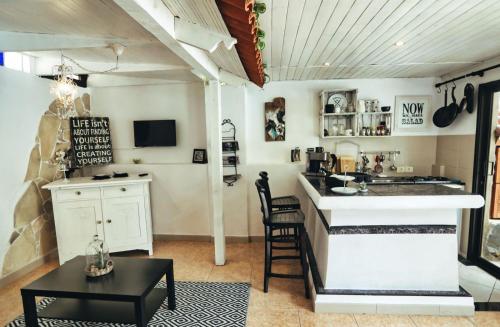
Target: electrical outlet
401, 169
409, 169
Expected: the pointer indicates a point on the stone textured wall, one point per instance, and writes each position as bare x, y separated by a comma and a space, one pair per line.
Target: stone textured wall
33, 235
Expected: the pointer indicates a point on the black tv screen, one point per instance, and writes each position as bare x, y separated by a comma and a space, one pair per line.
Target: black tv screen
154, 133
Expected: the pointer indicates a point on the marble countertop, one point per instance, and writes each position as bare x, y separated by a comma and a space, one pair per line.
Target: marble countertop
416, 196
89, 182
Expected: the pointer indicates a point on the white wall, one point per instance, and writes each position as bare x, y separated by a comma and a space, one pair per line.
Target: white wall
179, 188
23, 100
182, 102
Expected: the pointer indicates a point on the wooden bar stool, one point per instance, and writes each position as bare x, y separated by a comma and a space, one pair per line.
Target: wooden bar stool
277, 220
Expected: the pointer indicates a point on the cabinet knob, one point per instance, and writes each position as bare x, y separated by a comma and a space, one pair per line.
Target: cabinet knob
78, 193
99, 222
108, 221
123, 189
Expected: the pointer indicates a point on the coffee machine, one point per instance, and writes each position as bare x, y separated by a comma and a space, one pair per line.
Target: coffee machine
317, 162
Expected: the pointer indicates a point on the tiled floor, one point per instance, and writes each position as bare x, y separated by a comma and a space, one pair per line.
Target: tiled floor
284, 305
482, 286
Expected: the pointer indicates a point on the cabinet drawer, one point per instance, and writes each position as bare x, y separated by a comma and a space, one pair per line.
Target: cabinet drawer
78, 194
122, 190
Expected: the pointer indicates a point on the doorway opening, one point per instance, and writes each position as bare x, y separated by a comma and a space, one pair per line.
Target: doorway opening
484, 233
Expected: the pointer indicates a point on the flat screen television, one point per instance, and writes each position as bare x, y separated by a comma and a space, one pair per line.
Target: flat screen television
154, 133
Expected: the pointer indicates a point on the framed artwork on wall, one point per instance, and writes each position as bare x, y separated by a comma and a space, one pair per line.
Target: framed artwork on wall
200, 156
412, 113
274, 113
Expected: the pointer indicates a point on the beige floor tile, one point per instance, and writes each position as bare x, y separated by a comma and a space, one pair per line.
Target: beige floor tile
310, 319
264, 317
366, 320
486, 319
435, 321
231, 272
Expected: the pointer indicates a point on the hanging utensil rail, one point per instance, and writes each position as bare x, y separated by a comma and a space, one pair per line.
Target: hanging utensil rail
479, 72
397, 152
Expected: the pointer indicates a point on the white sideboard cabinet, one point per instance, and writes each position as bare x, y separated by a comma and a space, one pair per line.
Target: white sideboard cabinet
118, 210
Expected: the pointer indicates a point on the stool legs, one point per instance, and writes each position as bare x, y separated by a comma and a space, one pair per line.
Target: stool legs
267, 260
303, 260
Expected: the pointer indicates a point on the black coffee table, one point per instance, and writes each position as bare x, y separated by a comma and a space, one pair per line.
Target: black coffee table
126, 295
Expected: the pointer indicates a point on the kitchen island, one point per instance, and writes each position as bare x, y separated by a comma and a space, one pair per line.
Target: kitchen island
390, 250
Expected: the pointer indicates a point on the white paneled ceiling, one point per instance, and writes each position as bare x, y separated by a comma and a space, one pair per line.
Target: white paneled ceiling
358, 38
92, 18
206, 13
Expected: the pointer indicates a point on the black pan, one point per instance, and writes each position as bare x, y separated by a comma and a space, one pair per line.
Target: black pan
469, 95
444, 116
435, 118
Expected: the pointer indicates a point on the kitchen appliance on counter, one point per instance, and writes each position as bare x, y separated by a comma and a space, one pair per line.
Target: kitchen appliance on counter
318, 162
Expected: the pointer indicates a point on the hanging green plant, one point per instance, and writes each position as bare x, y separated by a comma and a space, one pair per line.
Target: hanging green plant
266, 78
261, 34
261, 45
259, 8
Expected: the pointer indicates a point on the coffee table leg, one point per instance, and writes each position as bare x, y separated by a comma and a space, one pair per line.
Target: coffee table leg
171, 287
140, 313
29, 307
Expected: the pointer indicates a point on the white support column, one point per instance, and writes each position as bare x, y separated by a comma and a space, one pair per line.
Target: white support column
213, 120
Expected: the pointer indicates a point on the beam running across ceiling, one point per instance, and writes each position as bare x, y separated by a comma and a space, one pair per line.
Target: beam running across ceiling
156, 18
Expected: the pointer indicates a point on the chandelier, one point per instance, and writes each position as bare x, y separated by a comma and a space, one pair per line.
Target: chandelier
65, 90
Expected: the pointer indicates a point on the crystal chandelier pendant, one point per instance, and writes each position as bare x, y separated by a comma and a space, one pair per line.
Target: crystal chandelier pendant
65, 90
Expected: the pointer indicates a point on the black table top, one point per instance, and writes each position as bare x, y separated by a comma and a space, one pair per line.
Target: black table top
389, 190
131, 277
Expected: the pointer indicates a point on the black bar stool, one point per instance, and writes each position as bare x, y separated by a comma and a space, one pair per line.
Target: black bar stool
277, 220
288, 202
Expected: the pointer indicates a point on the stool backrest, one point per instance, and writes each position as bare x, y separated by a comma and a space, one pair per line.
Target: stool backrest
265, 201
265, 182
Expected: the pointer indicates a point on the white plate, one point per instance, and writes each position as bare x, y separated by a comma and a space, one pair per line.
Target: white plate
338, 100
344, 190
345, 178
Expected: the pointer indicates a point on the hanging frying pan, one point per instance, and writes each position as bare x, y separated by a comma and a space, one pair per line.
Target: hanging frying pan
469, 95
444, 116
437, 114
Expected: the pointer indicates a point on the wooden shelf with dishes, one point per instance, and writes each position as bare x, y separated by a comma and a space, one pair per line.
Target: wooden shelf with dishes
343, 116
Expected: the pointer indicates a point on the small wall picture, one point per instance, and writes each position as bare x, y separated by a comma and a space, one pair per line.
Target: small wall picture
275, 120
230, 146
200, 156
412, 112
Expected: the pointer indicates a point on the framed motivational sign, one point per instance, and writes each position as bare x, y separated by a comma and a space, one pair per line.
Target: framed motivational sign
412, 112
91, 141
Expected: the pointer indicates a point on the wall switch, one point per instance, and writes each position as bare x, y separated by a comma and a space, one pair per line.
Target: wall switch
409, 169
401, 169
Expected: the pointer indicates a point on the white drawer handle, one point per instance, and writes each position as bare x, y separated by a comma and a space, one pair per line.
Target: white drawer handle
123, 189
78, 193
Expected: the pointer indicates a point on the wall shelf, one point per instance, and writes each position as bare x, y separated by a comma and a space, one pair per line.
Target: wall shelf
334, 125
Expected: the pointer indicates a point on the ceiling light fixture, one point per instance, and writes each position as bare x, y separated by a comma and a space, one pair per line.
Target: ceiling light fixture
326, 64
399, 43
65, 90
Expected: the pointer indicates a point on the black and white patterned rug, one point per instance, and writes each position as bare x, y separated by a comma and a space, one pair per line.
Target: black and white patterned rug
197, 304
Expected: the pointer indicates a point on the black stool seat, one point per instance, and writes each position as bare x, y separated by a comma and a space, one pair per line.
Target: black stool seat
286, 218
285, 202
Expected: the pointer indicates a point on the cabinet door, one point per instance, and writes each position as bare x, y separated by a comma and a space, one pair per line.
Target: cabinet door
76, 224
124, 222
